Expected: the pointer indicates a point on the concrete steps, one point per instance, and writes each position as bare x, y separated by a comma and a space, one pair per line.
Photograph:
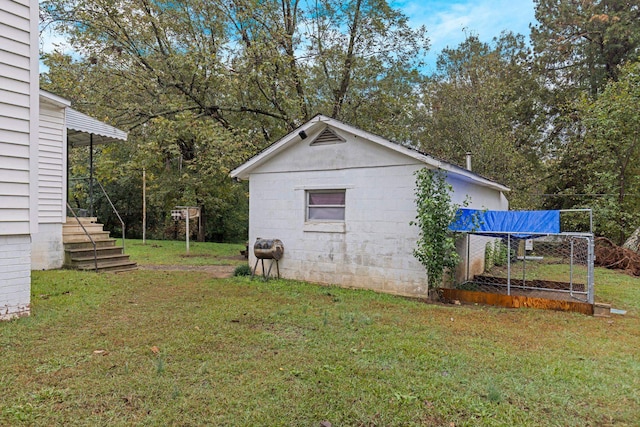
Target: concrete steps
73, 237
79, 253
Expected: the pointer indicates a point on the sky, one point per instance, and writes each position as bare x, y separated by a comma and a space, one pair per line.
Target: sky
447, 22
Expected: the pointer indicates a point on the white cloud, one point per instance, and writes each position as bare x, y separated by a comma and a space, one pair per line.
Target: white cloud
448, 22
50, 41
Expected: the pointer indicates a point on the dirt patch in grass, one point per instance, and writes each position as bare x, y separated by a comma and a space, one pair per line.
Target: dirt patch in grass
217, 271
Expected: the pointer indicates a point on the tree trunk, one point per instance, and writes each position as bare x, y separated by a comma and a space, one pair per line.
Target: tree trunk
201, 225
341, 93
633, 242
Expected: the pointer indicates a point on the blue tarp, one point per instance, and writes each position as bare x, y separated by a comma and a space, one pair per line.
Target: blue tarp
520, 222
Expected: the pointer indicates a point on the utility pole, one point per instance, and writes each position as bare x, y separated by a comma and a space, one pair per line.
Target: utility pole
144, 206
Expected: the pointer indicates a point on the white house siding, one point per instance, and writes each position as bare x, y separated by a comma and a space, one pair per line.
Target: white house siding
15, 266
374, 246
51, 164
47, 248
18, 151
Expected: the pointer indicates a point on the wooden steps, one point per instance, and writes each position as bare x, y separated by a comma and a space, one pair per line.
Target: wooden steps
78, 249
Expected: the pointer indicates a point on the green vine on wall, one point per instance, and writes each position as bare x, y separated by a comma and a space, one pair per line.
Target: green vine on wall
436, 248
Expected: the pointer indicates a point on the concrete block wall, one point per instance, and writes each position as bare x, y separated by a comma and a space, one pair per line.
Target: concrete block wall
47, 251
15, 276
372, 249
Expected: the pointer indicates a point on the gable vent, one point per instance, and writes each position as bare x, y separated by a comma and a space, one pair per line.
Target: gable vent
327, 137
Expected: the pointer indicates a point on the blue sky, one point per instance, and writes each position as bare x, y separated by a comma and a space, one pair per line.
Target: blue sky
447, 21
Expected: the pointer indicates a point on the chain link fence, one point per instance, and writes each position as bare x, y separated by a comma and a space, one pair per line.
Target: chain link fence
550, 266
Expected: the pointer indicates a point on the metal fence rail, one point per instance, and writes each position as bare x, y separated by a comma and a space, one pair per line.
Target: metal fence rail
551, 266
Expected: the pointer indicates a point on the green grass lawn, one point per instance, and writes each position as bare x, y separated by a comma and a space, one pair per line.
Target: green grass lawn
172, 252
182, 348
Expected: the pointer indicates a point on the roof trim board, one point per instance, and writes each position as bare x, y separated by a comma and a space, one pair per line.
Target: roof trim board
56, 100
318, 124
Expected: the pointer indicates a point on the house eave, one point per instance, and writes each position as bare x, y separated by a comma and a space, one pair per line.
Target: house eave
244, 171
52, 99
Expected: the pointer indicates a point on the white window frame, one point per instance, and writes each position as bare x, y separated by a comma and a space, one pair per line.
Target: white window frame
308, 205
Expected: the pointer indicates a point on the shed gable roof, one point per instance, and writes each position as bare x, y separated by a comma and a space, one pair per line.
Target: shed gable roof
320, 121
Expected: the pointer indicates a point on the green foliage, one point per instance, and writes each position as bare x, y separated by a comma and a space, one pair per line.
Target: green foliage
483, 100
613, 129
600, 169
500, 253
489, 260
262, 67
202, 86
436, 249
242, 270
584, 50
580, 44
495, 253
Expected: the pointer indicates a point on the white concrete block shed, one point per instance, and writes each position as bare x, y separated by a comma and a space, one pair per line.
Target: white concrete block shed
341, 200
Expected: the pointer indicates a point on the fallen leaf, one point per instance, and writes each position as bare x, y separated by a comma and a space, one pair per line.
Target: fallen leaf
155, 350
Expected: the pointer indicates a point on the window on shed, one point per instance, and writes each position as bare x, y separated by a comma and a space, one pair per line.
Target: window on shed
326, 205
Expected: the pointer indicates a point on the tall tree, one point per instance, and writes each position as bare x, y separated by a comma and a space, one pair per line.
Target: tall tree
581, 43
264, 66
580, 48
612, 148
168, 70
484, 100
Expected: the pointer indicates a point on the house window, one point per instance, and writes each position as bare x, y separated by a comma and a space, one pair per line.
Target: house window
325, 205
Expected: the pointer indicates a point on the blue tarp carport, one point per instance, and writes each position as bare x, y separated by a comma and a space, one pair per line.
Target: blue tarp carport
520, 223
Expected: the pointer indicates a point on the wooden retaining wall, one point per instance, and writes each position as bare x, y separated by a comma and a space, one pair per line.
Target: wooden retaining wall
516, 301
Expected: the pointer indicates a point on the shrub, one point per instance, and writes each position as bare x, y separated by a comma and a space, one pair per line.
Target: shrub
242, 270
488, 256
436, 249
500, 253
